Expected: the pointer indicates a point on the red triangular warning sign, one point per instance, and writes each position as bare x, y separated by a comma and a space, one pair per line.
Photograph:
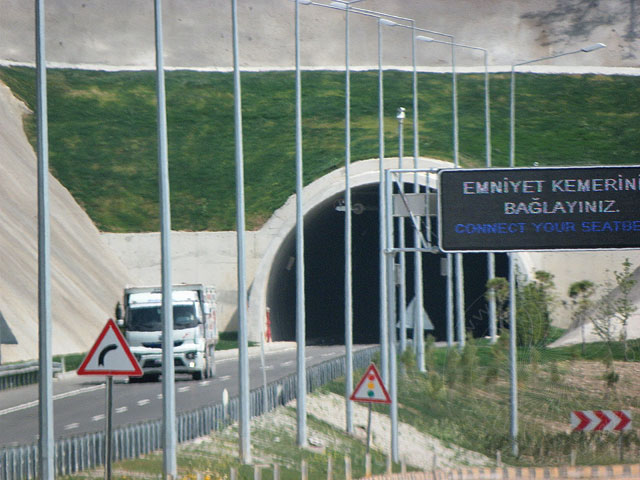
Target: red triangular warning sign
371, 389
110, 355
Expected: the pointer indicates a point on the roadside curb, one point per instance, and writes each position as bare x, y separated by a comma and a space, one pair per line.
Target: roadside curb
610, 472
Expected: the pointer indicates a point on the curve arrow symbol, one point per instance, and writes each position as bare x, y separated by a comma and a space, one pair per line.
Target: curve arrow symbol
584, 420
604, 420
625, 420
104, 352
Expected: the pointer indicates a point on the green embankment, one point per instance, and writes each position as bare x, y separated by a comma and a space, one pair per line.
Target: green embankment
102, 133
464, 399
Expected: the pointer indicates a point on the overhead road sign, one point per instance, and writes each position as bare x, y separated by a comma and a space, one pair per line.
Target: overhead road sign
110, 355
370, 388
515, 209
600, 420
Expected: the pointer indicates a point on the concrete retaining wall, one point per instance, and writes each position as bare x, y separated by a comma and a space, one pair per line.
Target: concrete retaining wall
197, 33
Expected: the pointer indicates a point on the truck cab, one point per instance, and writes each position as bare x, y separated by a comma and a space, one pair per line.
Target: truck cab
194, 332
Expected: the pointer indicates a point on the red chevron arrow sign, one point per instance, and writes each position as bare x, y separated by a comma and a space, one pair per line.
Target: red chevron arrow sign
600, 420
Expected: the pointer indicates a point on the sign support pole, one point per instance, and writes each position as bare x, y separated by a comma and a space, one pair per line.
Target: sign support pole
109, 430
109, 356
391, 317
369, 430
513, 350
370, 389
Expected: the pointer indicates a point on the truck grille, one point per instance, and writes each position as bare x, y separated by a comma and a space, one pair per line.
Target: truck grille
151, 363
176, 343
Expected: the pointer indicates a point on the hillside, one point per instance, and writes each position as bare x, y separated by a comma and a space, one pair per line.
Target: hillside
103, 136
82, 298
102, 126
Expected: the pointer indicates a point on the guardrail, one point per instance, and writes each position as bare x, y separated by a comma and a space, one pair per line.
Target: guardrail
20, 374
83, 452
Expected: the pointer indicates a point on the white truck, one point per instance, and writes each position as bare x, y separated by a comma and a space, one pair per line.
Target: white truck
195, 332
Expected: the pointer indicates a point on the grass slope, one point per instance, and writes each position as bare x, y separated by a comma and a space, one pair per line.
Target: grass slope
464, 399
273, 442
102, 133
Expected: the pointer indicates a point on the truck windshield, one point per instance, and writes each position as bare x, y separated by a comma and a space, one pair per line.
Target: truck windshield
147, 319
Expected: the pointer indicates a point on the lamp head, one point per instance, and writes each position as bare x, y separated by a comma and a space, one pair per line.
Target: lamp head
400, 115
422, 38
387, 22
591, 48
339, 5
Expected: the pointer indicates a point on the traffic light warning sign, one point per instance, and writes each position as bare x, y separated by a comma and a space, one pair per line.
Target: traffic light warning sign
370, 389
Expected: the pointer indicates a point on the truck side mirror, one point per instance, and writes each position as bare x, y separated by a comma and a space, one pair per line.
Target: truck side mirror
206, 310
118, 312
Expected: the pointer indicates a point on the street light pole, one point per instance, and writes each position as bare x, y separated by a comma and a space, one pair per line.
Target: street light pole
170, 466
487, 108
348, 287
243, 347
449, 257
45, 388
348, 293
300, 299
418, 327
383, 300
512, 259
384, 347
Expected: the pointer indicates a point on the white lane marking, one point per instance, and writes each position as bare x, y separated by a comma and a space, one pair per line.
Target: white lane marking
308, 358
330, 354
121, 409
224, 378
71, 426
290, 362
268, 367
144, 401
34, 403
97, 418
184, 389
204, 383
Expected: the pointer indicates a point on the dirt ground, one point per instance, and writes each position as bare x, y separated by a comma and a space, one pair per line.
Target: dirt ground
589, 376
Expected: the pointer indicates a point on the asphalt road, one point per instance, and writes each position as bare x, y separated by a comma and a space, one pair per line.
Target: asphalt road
79, 402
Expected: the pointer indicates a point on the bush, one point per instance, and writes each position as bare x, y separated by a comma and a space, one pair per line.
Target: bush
408, 360
429, 353
452, 363
469, 361
533, 308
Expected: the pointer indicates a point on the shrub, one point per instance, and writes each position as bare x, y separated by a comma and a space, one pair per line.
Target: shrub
533, 308
451, 366
469, 361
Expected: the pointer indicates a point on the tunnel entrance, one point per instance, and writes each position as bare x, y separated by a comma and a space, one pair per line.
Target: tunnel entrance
324, 277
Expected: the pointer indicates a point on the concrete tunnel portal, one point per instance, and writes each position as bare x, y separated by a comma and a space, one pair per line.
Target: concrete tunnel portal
324, 277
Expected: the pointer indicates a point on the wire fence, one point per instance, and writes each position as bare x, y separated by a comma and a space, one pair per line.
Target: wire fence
87, 451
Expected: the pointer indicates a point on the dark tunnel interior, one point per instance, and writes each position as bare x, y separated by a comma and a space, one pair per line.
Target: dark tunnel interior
324, 277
